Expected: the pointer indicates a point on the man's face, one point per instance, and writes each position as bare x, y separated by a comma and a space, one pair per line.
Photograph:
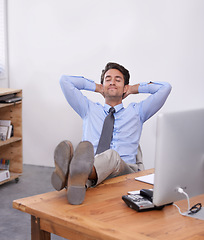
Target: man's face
113, 84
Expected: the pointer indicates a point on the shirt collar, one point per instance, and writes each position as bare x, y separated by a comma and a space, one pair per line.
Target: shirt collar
117, 107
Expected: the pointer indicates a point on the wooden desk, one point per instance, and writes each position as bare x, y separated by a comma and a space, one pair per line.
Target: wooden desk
104, 215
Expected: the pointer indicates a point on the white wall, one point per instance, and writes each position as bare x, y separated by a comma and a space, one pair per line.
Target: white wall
156, 40
3, 83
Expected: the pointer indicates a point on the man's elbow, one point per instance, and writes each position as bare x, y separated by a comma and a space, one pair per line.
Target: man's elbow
62, 79
65, 80
168, 87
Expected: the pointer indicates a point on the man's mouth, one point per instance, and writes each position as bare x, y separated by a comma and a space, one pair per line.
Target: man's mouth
111, 88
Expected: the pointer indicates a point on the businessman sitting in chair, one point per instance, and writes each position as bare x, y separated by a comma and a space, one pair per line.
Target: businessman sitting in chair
111, 133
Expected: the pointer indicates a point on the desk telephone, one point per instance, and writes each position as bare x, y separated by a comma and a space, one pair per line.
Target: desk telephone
141, 201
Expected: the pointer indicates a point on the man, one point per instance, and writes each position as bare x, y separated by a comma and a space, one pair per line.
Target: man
89, 165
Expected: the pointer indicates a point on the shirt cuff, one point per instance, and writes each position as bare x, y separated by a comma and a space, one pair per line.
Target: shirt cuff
90, 85
150, 88
143, 88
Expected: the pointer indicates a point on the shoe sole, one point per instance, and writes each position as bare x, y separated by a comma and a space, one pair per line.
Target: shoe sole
62, 157
80, 168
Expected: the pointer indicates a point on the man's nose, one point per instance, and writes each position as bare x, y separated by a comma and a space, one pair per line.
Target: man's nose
112, 81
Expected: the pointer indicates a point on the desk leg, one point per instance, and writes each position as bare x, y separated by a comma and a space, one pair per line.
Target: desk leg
36, 232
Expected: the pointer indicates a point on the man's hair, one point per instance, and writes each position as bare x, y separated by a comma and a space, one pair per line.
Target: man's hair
120, 68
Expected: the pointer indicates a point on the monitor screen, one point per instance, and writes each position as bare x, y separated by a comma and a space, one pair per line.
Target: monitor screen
179, 161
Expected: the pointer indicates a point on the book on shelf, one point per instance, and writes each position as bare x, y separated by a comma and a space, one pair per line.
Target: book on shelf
4, 169
6, 123
4, 175
4, 164
6, 129
10, 98
3, 133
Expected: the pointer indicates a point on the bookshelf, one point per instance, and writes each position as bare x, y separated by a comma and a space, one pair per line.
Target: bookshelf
12, 148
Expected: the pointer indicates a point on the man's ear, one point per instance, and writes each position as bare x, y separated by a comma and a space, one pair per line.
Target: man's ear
125, 88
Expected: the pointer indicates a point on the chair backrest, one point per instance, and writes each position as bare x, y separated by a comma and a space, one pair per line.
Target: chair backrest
139, 160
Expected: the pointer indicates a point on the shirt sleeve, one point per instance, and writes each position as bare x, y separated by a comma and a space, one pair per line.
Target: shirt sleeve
159, 92
71, 88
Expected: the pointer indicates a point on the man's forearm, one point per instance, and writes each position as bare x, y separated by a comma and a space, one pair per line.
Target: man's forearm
99, 88
133, 89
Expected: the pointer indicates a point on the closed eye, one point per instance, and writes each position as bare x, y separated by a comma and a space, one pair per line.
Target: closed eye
108, 78
118, 79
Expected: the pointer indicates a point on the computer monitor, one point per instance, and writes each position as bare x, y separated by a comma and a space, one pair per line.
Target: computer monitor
179, 161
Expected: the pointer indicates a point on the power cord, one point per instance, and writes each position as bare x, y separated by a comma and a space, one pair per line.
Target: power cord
191, 210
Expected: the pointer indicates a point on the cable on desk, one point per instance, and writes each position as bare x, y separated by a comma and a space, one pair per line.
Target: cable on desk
191, 210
